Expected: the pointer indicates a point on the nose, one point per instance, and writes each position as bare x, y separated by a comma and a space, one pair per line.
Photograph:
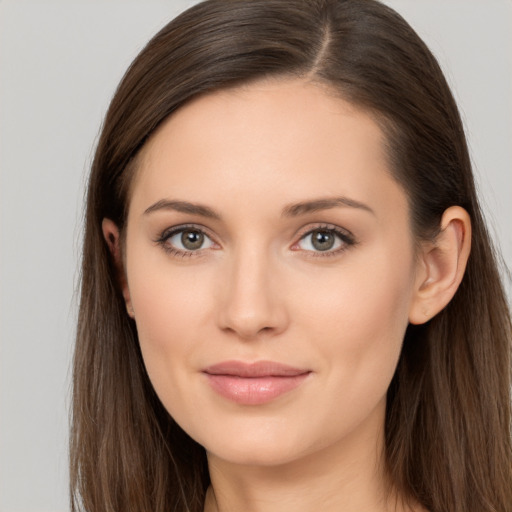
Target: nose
253, 301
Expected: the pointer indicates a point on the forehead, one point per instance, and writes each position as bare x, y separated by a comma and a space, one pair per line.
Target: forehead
280, 138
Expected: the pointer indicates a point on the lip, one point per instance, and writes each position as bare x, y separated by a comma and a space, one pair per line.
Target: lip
254, 383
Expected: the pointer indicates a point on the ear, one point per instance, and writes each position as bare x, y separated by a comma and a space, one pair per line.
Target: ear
441, 266
112, 237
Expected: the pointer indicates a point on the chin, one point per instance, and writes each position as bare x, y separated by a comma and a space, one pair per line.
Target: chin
257, 454
265, 445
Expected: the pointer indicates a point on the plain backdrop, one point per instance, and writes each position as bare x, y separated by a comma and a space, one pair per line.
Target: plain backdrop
60, 62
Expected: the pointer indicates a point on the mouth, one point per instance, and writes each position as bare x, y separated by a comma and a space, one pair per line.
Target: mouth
254, 383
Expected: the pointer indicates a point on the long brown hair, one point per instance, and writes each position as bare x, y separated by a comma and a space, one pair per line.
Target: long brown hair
448, 420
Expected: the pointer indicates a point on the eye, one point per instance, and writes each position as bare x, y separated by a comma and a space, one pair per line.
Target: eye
185, 240
325, 239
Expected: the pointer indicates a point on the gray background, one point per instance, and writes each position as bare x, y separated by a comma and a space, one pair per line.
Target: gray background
59, 64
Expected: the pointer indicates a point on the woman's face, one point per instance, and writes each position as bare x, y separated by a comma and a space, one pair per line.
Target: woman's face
270, 266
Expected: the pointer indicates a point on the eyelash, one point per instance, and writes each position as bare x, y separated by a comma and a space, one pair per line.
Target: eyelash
346, 238
164, 238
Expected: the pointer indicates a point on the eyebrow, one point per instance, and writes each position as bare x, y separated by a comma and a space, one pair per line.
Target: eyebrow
327, 203
292, 210
183, 207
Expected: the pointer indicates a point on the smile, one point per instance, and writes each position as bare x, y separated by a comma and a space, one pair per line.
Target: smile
254, 383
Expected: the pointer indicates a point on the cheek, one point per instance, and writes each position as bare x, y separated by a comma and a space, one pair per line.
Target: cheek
170, 307
365, 293
354, 325
376, 307
358, 319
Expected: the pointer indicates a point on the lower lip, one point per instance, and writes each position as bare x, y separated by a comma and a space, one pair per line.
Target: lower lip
254, 390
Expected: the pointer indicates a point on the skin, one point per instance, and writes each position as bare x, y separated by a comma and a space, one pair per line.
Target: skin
258, 289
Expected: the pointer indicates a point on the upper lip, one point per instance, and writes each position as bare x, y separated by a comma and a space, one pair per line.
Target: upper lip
256, 369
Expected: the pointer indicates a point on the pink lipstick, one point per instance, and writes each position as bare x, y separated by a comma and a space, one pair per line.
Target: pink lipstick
254, 383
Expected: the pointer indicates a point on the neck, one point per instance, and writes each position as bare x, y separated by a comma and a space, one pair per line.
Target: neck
349, 476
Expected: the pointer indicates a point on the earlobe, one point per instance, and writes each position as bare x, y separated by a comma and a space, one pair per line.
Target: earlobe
442, 266
112, 238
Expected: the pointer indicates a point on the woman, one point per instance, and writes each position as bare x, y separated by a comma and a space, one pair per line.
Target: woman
280, 309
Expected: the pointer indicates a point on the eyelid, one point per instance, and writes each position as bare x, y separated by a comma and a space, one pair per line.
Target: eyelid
168, 233
347, 238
